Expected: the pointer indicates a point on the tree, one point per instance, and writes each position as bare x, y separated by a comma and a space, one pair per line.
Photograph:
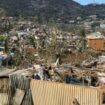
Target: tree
2, 38
32, 41
83, 36
2, 12
6, 45
82, 33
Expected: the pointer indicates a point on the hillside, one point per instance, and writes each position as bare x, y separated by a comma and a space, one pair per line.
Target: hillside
48, 9
62, 10
97, 9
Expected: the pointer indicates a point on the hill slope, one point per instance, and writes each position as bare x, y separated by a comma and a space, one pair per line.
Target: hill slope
55, 9
97, 9
50, 9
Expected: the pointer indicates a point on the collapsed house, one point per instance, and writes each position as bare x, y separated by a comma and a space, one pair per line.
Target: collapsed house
48, 93
19, 88
15, 87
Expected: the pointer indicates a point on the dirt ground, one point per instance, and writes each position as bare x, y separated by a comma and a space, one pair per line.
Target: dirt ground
74, 58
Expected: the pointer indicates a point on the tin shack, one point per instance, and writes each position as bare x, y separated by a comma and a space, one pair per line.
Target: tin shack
95, 41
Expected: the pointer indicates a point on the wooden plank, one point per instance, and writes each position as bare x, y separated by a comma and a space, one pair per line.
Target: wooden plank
4, 99
25, 72
18, 97
6, 72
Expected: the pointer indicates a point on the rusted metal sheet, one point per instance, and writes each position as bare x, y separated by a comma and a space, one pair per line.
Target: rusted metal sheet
48, 93
96, 44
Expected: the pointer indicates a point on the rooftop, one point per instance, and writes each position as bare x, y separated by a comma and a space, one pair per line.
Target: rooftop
95, 35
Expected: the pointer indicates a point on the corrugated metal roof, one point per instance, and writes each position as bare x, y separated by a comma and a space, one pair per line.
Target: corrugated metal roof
95, 35
48, 93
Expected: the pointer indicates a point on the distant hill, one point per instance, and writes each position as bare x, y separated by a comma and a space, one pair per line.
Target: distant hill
50, 9
98, 10
55, 9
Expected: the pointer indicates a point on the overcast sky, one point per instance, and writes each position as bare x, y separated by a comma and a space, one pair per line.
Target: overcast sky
84, 2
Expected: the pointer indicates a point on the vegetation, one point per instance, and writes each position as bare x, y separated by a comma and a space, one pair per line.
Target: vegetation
83, 40
57, 10
2, 12
6, 45
2, 38
32, 41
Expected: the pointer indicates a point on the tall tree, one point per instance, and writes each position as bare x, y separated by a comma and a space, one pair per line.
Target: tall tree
6, 45
32, 41
83, 36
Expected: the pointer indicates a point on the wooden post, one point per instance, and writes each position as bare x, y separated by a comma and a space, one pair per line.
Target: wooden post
83, 80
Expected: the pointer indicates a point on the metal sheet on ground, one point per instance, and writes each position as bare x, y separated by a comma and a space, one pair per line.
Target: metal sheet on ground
48, 93
18, 97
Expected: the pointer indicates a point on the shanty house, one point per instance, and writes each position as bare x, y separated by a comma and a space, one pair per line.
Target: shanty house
95, 41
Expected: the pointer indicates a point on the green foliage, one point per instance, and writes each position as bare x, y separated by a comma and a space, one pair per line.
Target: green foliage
5, 40
17, 59
6, 45
32, 41
82, 33
45, 10
2, 12
2, 38
96, 54
59, 10
95, 24
30, 57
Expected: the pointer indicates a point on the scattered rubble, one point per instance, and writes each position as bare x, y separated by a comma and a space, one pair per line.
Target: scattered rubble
43, 53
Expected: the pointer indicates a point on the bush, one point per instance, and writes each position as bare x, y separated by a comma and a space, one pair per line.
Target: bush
2, 38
